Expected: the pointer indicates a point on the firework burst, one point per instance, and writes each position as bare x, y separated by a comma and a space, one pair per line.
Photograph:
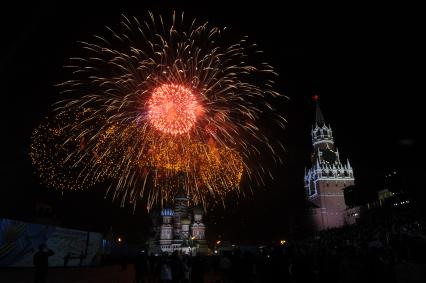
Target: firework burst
165, 100
172, 109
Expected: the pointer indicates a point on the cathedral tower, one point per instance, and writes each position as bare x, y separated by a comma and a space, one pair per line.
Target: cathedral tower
166, 234
327, 177
198, 230
180, 211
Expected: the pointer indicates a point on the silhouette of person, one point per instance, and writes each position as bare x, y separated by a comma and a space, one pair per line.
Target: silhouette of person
41, 263
123, 263
141, 267
198, 269
67, 259
81, 258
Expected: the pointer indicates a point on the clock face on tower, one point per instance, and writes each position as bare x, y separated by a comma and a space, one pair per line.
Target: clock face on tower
329, 156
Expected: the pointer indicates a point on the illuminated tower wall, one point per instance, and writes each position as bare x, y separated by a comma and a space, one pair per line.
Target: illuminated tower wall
185, 228
198, 229
326, 179
166, 234
181, 212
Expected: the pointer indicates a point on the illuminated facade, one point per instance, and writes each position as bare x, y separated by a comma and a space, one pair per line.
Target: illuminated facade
179, 230
326, 179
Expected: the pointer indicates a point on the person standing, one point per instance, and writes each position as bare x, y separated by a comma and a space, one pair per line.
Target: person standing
141, 267
41, 263
198, 269
165, 270
67, 259
82, 255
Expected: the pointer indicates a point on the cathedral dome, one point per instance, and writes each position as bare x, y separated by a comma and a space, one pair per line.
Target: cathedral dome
167, 212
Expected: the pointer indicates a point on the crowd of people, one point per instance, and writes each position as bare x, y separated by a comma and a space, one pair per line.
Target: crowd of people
391, 250
385, 250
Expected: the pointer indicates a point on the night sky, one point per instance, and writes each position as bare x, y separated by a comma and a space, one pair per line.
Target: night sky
367, 64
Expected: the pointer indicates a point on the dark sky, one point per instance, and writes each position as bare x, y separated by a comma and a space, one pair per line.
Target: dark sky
366, 62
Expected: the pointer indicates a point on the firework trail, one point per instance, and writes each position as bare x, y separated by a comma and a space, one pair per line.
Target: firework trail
155, 100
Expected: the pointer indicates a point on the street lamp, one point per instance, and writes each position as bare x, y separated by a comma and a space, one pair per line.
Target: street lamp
216, 246
191, 244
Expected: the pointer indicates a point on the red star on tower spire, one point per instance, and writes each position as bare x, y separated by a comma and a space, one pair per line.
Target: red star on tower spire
319, 118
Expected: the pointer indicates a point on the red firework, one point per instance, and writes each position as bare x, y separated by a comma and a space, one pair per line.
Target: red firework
172, 109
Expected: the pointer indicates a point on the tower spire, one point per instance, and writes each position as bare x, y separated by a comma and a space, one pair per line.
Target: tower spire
181, 192
319, 118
